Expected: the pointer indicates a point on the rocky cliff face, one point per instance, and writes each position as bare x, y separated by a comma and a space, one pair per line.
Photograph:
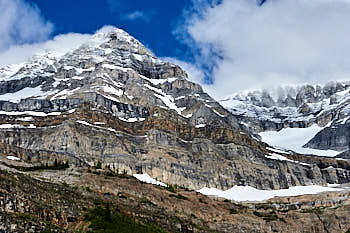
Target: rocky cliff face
112, 101
39, 204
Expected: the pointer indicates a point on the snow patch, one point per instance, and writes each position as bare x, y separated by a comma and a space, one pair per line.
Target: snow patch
156, 82
10, 126
30, 113
16, 126
200, 126
168, 100
22, 94
294, 139
132, 119
247, 193
25, 119
64, 93
149, 180
14, 158
114, 67
78, 78
275, 156
113, 90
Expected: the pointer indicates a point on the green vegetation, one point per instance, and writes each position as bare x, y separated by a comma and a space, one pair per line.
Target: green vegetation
316, 210
107, 221
98, 165
178, 196
57, 165
202, 201
146, 202
263, 206
268, 217
233, 211
121, 195
171, 188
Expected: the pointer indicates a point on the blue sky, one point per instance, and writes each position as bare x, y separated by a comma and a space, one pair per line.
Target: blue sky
225, 45
150, 21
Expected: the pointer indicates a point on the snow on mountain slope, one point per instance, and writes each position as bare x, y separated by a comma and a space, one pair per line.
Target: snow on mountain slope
149, 180
246, 193
294, 139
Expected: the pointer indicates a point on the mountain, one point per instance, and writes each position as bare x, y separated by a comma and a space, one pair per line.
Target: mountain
112, 101
111, 108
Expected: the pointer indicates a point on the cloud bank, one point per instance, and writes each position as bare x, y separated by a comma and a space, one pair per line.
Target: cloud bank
59, 45
278, 43
21, 23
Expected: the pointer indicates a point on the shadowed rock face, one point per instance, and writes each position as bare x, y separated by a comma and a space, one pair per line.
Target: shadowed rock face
335, 137
112, 101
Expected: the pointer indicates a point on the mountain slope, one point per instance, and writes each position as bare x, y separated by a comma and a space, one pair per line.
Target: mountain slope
111, 101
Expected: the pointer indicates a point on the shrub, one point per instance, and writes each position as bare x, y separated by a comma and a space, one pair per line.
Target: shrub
171, 188
98, 165
178, 196
106, 220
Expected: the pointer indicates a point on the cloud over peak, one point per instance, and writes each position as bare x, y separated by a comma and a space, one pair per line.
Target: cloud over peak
21, 23
139, 15
279, 42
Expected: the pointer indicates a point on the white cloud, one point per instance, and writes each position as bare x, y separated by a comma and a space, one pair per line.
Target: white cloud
281, 42
194, 73
60, 45
138, 15
21, 23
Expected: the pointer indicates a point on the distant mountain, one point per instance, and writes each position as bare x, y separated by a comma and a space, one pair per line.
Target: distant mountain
298, 107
